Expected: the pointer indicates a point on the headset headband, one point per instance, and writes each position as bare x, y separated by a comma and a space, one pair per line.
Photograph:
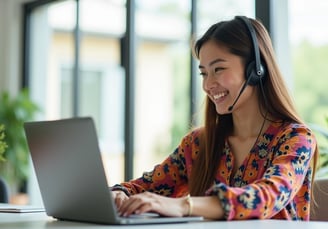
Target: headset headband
259, 70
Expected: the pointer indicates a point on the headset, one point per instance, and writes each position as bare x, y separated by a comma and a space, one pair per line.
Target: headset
255, 70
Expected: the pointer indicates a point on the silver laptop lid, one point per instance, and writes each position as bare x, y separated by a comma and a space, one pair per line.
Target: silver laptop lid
69, 170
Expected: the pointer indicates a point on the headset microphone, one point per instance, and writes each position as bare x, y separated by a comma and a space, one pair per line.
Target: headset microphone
236, 100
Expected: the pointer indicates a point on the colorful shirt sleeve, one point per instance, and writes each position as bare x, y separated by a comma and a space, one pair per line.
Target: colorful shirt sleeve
170, 178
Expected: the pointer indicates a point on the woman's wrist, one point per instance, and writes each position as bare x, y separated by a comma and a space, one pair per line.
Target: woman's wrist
118, 187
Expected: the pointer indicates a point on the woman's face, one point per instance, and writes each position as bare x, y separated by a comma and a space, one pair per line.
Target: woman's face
223, 76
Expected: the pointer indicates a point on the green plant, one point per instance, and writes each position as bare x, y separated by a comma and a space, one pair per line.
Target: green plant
3, 144
14, 111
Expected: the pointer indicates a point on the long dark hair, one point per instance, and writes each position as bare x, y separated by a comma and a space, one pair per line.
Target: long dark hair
234, 35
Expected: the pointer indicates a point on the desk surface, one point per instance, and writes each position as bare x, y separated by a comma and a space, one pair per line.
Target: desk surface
40, 220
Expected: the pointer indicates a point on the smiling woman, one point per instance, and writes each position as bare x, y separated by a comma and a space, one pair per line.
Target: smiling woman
221, 79
256, 160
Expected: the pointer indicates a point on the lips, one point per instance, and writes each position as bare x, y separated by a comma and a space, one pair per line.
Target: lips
220, 95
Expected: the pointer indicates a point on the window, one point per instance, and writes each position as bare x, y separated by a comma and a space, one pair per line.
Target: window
75, 69
309, 45
98, 90
162, 80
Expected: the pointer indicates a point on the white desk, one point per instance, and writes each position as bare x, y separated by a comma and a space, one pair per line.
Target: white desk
40, 220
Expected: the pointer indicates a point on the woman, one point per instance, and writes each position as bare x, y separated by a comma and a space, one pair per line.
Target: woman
253, 158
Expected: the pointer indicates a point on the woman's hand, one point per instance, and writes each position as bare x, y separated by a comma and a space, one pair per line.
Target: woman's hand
119, 197
150, 202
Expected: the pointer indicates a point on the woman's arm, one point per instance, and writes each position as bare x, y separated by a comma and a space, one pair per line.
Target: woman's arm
209, 207
170, 178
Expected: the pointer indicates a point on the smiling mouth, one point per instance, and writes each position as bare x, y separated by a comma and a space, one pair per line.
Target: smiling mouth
220, 95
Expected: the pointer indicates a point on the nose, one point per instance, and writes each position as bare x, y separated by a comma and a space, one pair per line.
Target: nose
209, 82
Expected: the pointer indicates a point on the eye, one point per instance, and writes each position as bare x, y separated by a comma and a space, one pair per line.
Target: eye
218, 69
202, 74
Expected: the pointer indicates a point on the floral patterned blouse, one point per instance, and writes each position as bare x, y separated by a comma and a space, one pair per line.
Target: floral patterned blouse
274, 180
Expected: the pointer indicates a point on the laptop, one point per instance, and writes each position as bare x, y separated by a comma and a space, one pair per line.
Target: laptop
71, 177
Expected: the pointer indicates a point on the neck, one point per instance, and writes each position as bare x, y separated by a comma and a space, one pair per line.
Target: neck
250, 125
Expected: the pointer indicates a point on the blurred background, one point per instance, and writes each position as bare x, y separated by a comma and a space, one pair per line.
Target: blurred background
128, 65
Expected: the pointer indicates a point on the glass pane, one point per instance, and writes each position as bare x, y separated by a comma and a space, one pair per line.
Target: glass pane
51, 47
309, 43
102, 78
162, 79
210, 12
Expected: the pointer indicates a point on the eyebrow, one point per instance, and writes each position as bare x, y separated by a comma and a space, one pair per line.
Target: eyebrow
213, 62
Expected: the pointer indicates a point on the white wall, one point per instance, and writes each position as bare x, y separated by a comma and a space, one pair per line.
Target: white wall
11, 13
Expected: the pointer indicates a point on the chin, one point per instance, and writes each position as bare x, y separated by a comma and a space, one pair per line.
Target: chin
221, 111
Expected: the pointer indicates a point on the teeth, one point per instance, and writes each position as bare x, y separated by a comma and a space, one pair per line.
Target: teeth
220, 95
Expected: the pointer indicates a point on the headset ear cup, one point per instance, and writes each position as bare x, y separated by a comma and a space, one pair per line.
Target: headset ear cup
252, 77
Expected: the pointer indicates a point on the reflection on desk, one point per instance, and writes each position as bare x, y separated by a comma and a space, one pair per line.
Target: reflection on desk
41, 220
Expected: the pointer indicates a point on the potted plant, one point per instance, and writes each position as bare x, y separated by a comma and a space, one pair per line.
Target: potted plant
14, 163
